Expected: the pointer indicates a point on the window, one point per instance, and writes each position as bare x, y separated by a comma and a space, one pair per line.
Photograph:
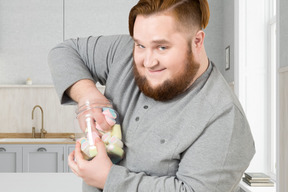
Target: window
255, 77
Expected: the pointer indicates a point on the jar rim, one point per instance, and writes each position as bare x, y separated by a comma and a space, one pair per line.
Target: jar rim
94, 105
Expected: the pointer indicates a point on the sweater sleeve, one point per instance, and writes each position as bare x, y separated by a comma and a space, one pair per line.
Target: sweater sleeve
214, 162
84, 58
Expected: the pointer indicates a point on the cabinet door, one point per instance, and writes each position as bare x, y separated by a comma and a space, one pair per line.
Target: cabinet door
10, 158
29, 29
69, 149
90, 17
43, 158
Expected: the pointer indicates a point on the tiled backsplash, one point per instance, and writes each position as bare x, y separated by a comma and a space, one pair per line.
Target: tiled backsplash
17, 102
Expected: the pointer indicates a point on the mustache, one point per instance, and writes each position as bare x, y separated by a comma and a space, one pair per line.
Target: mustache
170, 88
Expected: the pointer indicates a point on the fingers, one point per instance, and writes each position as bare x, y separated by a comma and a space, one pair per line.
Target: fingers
101, 148
99, 119
76, 164
101, 123
78, 155
72, 164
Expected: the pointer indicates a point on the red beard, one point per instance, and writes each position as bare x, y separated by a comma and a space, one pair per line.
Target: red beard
170, 88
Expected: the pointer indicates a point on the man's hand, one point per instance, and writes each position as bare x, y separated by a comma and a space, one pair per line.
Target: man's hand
96, 118
94, 172
84, 91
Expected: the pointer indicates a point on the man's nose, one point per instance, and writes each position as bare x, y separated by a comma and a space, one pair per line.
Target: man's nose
150, 60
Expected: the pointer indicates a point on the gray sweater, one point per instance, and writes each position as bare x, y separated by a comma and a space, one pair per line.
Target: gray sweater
199, 141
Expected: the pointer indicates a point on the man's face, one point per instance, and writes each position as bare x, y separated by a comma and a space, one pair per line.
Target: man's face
163, 60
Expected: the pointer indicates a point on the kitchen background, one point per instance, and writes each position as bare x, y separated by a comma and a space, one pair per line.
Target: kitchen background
30, 28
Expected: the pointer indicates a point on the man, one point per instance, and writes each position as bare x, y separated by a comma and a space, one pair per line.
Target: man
183, 128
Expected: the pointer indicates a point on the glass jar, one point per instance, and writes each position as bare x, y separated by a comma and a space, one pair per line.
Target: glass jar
87, 129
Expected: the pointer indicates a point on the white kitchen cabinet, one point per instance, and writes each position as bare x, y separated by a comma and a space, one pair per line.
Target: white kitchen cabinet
35, 158
10, 158
90, 17
29, 29
69, 149
43, 158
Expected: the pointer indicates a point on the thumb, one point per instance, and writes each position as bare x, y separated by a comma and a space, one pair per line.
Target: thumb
101, 148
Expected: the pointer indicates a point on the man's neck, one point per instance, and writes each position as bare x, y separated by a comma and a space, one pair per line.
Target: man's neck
204, 64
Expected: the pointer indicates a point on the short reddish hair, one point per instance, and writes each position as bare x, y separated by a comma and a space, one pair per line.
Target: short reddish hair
188, 13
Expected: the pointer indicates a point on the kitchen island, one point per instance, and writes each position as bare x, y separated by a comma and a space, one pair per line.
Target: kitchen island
44, 182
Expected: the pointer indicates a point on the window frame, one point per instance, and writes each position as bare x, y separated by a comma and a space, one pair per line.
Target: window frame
272, 91
246, 32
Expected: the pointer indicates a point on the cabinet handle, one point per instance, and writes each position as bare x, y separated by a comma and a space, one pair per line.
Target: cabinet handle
41, 149
2, 149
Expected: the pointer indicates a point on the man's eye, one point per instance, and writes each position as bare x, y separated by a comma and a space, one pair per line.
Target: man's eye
140, 46
162, 48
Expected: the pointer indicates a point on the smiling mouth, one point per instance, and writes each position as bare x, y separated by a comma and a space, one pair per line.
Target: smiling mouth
156, 71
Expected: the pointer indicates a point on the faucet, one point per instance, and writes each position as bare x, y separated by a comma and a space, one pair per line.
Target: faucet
43, 131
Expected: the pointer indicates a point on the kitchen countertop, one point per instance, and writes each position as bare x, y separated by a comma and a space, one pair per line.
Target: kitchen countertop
44, 182
50, 138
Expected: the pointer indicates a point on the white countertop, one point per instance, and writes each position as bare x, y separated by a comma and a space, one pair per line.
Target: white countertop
54, 182
44, 182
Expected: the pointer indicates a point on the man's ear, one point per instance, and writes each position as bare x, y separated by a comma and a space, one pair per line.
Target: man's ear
198, 39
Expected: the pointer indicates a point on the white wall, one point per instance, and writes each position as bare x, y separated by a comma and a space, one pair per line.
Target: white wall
228, 38
213, 41
220, 34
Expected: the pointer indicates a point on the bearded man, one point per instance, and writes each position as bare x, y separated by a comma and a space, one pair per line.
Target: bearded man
183, 128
